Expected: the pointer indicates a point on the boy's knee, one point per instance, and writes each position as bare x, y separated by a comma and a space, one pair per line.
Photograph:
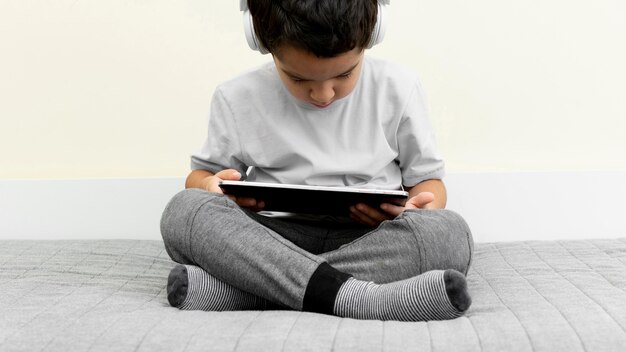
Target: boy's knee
177, 219
445, 233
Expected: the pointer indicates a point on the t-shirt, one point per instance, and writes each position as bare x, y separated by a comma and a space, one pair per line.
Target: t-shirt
379, 136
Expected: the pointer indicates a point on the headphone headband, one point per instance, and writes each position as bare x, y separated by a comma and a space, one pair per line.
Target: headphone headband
378, 33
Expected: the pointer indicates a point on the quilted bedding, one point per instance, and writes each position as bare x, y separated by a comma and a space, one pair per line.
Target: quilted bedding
110, 296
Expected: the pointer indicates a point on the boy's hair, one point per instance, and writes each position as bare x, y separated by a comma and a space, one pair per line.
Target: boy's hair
326, 28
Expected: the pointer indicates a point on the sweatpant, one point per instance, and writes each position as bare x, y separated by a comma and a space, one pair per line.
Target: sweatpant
302, 265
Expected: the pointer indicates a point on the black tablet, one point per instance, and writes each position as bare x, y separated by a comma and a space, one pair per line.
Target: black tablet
319, 200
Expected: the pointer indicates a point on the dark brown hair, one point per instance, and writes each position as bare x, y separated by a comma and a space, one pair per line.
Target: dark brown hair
325, 28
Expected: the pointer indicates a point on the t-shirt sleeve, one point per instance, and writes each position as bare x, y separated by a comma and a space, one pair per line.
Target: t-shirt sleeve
418, 157
222, 148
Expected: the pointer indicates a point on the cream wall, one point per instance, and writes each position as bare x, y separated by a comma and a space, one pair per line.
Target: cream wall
121, 88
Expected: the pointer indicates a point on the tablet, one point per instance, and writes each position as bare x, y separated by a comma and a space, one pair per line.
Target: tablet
319, 200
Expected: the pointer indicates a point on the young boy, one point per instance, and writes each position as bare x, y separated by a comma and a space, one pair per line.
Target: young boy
321, 114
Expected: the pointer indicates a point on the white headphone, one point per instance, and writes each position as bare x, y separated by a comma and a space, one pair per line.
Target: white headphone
255, 44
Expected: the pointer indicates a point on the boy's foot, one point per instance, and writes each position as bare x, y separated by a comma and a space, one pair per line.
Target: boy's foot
191, 288
434, 295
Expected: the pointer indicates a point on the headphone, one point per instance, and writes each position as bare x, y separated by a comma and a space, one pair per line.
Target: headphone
378, 33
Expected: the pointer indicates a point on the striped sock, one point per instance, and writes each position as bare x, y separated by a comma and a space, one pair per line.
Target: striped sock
434, 295
191, 288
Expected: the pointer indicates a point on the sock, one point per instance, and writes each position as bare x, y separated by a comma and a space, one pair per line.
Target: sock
191, 288
434, 295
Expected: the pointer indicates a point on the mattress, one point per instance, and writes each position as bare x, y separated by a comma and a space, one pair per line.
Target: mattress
110, 296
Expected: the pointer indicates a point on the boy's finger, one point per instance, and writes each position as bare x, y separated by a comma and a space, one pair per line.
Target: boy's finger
424, 198
392, 209
368, 214
229, 174
360, 217
246, 202
420, 200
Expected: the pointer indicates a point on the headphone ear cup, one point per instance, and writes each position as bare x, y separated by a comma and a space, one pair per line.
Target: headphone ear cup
381, 25
251, 38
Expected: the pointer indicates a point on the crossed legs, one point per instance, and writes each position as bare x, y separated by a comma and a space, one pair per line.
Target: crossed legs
234, 260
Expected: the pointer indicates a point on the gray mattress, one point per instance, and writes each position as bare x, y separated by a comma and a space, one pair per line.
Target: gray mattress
110, 296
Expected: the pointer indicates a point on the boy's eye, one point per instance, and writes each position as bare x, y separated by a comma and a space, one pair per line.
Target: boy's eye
346, 75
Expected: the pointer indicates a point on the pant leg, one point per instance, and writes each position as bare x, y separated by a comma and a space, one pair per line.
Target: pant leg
212, 232
415, 242
307, 235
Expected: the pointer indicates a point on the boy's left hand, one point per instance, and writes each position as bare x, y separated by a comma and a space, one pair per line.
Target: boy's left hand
372, 216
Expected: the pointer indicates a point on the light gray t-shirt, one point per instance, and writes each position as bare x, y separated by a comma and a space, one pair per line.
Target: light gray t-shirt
379, 136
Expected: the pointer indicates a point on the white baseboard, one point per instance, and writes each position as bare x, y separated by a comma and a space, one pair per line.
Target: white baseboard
541, 205
84, 208
498, 206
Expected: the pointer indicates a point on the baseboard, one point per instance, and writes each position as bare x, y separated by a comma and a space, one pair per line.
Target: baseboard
498, 206
84, 208
540, 205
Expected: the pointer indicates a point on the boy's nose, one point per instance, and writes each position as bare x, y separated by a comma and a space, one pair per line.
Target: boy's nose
322, 93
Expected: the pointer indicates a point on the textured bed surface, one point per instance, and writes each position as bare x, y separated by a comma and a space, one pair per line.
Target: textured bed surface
110, 296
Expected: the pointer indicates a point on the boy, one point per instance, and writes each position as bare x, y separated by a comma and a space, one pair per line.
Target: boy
324, 114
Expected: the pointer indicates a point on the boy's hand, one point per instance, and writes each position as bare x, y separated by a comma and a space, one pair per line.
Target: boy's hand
371, 216
212, 185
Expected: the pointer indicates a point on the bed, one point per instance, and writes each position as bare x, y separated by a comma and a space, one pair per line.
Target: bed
109, 295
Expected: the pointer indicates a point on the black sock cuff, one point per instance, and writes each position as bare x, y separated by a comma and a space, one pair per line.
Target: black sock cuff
322, 289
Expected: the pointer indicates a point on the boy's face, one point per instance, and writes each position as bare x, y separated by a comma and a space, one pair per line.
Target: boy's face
318, 81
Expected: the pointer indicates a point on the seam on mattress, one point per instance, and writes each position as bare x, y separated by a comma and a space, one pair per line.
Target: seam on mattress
579, 289
605, 254
143, 338
382, 336
137, 276
243, 332
25, 294
104, 331
79, 317
480, 343
21, 275
430, 337
192, 336
332, 345
530, 342
91, 251
622, 259
38, 267
18, 255
542, 296
163, 287
290, 330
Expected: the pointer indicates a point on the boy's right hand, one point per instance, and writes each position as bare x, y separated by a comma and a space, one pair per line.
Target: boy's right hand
212, 185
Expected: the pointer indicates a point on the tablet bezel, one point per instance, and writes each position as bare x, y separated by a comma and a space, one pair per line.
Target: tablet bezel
307, 199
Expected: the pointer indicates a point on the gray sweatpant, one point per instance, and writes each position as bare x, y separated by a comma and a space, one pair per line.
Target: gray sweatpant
295, 262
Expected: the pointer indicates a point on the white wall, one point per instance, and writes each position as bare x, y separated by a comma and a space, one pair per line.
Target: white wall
121, 88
